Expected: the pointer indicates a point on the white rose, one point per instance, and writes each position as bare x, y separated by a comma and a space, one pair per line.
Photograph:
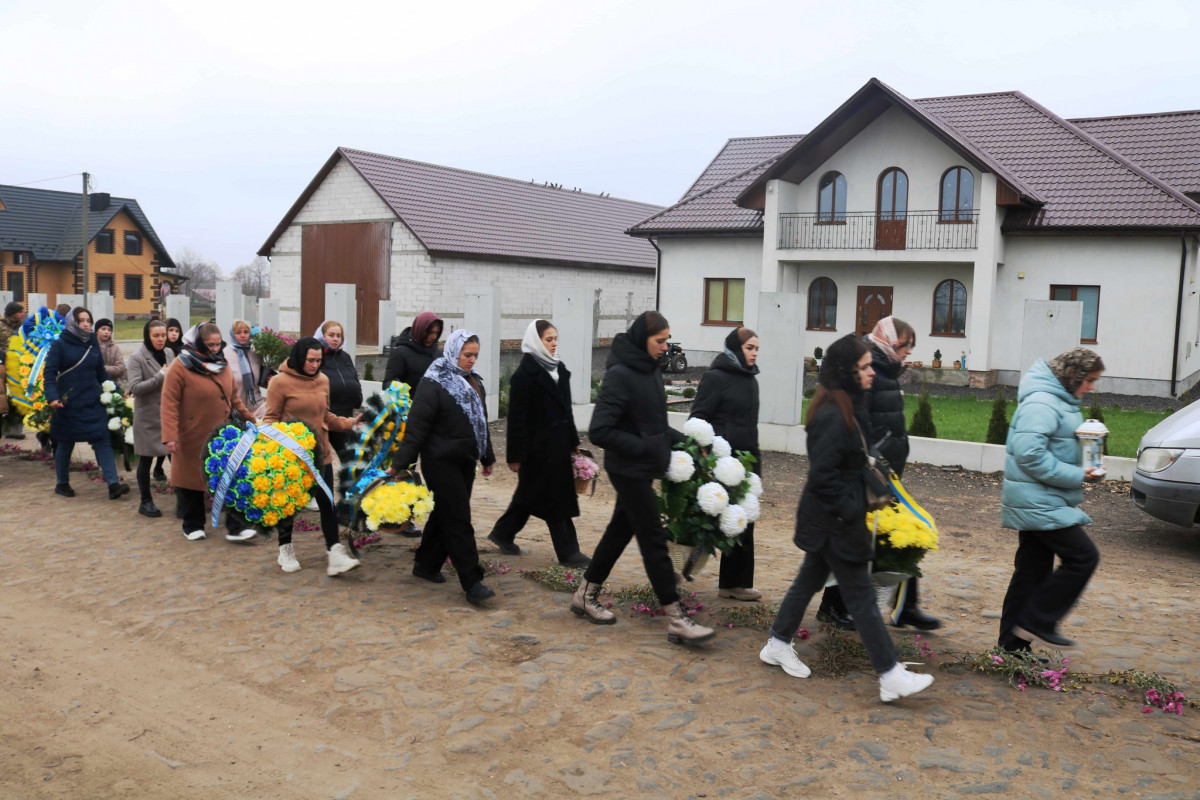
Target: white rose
712, 498
108, 386
105, 398
755, 485
753, 509
682, 467
733, 521
114, 424
720, 447
729, 471
129, 436
699, 430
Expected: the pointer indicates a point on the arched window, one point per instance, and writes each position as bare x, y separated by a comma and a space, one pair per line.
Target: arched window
893, 194
822, 305
958, 195
831, 199
949, 309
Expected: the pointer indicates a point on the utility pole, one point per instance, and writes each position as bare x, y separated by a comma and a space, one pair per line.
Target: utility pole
85, 234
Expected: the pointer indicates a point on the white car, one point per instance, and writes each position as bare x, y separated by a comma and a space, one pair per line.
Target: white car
1166, 482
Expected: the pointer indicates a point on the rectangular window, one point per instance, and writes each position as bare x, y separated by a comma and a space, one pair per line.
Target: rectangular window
18, 258
104, 241
724, 299
106, 283
133, 287
133, 243
1090, 297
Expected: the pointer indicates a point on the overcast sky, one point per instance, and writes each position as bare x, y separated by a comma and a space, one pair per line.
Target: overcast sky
216, 114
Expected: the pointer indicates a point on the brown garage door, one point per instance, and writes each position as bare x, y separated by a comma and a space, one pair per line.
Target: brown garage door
347, 252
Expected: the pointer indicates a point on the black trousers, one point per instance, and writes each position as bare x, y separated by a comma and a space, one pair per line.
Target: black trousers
449, 531
329, 520
1039, 595
143, 477
635, 515
516, 517
191, 507
737, 568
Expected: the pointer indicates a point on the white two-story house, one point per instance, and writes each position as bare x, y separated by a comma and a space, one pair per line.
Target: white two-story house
950, 213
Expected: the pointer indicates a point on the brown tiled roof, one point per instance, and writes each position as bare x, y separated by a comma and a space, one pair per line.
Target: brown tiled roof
456, 212
1082, 182
710, 211
1165, 145
739, 155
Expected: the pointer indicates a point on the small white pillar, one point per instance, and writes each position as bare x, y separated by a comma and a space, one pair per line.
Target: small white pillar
101, 305
481, 316
781, 321
1050, 327
229, 306
341, 305
5, 299
179, 307
573, 317
388, 326
37, 300
72, 300
268, 313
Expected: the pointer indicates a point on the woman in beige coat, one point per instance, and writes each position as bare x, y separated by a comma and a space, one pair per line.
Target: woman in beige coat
146, 370
199, 394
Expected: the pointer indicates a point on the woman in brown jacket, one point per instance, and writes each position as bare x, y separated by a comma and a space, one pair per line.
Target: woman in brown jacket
301, 391
199, 394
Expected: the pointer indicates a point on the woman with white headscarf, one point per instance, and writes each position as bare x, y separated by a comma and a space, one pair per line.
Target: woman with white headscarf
541, 439
447, 426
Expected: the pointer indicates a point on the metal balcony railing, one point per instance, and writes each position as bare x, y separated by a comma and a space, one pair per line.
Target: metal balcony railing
865, 230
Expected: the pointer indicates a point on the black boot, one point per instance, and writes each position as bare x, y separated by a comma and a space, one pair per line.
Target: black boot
832, 610
117, 490
912, 615
148, 509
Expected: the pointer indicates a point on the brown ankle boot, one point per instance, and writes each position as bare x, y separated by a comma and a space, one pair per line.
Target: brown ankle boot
586, 604
682, 630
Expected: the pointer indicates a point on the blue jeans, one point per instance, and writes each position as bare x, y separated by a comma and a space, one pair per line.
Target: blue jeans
104, 456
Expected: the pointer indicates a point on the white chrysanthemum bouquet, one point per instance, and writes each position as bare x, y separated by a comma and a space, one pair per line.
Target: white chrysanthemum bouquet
709, 494
120, 420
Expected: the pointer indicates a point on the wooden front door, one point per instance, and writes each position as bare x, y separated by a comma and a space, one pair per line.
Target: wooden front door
891, 211
874, 303
347, 252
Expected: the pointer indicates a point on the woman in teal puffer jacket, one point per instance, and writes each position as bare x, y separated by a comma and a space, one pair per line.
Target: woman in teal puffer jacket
1043, 487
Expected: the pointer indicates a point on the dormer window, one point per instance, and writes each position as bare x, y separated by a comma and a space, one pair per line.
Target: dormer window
958, 196
831, 199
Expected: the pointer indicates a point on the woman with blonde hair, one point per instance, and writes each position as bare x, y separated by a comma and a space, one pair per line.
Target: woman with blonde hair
345, 390
247, 366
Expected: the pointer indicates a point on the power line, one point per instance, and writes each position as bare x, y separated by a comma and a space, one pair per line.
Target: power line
45, 180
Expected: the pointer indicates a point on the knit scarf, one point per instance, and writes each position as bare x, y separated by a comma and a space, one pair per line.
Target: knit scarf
445, 372
195, 356
243, 351
534, 346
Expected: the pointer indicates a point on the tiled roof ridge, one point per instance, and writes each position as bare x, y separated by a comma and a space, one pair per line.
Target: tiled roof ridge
971, 96
112, 198
488, 175
693, 197
1115, 117
1107, 151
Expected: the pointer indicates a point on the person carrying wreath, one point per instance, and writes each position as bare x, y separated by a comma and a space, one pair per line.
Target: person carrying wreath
447, 427
831, 523
301, 391
147, 370
630, 423
541, 439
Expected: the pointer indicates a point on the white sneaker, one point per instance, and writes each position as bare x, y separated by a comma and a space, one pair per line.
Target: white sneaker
287, 558
340, 560
192, 536
779, 653
899, 682
241, 536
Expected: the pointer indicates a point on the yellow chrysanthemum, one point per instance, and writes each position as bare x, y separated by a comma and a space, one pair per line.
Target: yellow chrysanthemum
292, 472
258, 464
303, 499
275, 462
39, 405
297, 429
289, 509
24, 372
278, 499
261, 483
290, 457
258, 448
261, 500
310, 442
270, 519
277, 480
272, 446
306, 481
293, 491
26, 358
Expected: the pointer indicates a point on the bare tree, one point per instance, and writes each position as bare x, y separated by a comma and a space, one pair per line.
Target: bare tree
255, 277
200, 272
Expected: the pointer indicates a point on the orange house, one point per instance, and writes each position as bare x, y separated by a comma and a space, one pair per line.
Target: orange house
42, 241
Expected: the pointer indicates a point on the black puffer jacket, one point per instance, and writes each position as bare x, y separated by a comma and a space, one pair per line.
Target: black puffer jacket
884, 402
408, 361
541, 437
728, 400
345, 392
833, 505
438, 429
630, 418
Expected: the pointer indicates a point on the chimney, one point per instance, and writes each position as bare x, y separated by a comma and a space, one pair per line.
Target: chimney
98, 201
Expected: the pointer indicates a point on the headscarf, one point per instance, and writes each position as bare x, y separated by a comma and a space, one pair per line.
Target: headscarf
299, 354
319, 335
421, 326
533, 344
196, 357
176, 345
884, 337
102, 323
445, 371
72, 327
159, 355
1074, 365
734, 351
243, 351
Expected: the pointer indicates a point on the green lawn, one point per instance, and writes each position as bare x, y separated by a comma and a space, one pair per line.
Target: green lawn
966, 419
132, 328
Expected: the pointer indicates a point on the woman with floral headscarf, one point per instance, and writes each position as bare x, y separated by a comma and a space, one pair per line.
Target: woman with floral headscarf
1043, 488
447, 426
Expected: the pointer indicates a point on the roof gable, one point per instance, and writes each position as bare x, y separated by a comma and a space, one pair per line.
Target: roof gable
737, 156
712, 210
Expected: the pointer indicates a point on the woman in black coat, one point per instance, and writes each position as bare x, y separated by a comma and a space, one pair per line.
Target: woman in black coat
630, 423
345, 390
415, 352
831, 525
71, 379
728, 400
541, 439
447, 426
